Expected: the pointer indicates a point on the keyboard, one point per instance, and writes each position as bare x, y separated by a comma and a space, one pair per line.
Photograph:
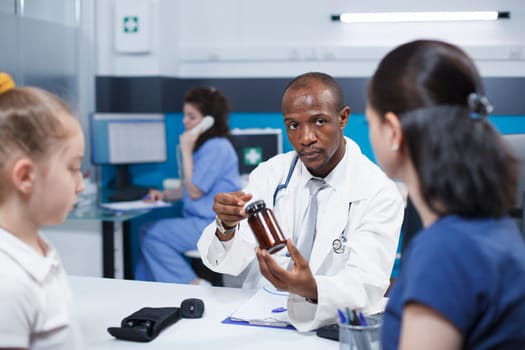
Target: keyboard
128, 194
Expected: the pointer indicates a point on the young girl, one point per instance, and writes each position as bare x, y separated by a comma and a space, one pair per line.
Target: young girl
41, 151
462, 281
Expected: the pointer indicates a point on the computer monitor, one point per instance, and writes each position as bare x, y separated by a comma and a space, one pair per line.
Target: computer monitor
254, 146
123, 139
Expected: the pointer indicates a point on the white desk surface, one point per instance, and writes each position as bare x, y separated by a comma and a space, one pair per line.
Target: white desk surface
100, 303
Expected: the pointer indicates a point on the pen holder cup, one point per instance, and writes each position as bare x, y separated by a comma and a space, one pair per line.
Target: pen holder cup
361, 337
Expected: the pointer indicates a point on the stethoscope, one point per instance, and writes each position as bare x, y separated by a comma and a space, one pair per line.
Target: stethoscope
288, 177
338, 244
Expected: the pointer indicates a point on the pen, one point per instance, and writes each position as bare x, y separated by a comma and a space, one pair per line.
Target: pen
362, 319
361, 339
349, 316
278, 309
282, 324
355, 319
342, 317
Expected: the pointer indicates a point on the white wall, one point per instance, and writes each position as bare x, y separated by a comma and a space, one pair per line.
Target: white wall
282, 38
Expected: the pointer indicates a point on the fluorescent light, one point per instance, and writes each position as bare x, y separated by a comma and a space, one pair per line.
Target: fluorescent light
420, 16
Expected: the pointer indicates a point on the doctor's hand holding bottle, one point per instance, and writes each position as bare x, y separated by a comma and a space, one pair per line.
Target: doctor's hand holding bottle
229, 208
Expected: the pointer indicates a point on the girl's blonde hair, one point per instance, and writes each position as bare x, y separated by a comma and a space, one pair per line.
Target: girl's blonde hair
31, 120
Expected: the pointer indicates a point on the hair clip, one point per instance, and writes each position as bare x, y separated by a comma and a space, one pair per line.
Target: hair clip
478, 105
6, 82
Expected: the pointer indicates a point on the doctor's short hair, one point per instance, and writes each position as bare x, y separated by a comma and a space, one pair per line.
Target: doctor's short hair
31, 121
210, 101
463, 164
307, 79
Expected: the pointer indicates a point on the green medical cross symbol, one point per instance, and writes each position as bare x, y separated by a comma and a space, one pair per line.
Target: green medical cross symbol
252, 155
130, 24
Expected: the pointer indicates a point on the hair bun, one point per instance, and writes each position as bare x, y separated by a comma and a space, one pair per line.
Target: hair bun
479, 105
6, 82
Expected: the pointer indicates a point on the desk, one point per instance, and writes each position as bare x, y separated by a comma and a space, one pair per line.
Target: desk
100, 303
109, 220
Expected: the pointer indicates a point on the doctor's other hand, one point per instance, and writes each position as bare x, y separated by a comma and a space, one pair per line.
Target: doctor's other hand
153, 196
229, 207
299, 280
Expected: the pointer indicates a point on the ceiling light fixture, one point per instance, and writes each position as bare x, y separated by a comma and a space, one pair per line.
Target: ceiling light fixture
374, 17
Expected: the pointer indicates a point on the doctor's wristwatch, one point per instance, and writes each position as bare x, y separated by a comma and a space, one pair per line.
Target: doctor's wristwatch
225, 231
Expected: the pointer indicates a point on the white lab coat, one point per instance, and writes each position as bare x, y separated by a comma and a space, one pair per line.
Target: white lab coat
356, 278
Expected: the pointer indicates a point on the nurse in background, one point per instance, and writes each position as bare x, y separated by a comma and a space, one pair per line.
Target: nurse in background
462, 283
210, 165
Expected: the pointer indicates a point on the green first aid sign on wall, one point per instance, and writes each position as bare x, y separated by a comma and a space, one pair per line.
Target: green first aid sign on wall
130, 24
252, 156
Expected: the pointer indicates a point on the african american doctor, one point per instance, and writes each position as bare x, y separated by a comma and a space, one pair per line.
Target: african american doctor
358, 220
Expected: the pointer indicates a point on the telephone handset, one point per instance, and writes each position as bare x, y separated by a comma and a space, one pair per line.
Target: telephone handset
206, 123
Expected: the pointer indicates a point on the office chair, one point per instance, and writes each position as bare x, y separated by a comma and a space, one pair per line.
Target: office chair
517, 144
519, 214
411, 225
194, 257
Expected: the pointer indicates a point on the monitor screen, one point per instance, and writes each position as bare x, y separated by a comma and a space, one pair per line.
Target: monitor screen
124, 138
254, 146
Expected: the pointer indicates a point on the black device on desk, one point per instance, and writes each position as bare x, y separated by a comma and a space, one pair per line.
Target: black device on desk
124, 139
145, 324
329, 332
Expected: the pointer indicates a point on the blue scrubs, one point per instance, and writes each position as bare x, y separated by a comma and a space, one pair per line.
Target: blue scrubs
215, 170
471, 271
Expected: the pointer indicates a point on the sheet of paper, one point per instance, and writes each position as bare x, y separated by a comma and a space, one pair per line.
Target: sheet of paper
134, 205
266, 307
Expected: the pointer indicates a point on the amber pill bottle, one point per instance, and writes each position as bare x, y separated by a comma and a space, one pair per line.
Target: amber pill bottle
265, 227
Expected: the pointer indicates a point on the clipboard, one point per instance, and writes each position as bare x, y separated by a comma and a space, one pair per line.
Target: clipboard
266, 308
254, 323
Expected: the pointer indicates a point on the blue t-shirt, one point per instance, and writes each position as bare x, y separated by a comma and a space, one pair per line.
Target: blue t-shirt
215, 170
472, 271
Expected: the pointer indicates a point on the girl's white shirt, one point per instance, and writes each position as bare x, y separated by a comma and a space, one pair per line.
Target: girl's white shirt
35, 298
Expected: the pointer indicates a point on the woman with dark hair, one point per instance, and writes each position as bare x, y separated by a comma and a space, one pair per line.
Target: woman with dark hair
462, 283
209, 166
